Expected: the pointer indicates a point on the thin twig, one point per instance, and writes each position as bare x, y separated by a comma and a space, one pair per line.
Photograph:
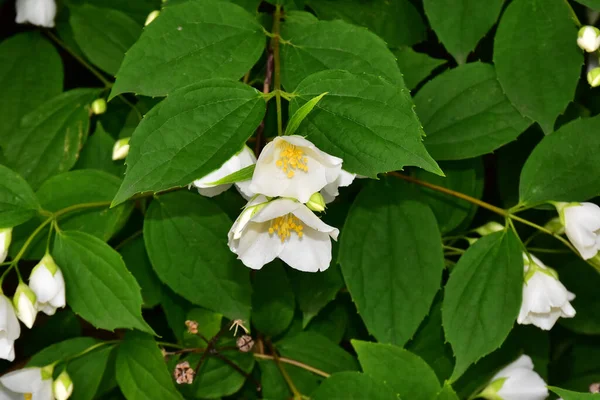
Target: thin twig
266, 88
286, 376
277, 64
294, 363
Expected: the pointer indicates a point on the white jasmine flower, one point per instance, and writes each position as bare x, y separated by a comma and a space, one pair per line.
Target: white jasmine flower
36, 12
121, 149
545, 298
25, 303
588, 38
291, 166
63, 386
516, 381
330, 191
5, 239
206, 185
32, 383
47, 282
582, 225
282, 228
10, 330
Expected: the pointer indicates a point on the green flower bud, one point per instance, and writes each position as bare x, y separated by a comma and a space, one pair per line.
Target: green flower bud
316, 202
99, 106
593, 77
489, 228
63, 386
151, 17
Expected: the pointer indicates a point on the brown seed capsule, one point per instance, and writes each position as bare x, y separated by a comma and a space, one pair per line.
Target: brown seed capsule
595, 388
245, 343
238, 323
184, 373
192, 327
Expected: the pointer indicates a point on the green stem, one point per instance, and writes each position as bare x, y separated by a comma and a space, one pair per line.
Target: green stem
89, 350
172, 345
277, 67
548, 251
454, 249
28, 243
81, 206
76, 56
296, 393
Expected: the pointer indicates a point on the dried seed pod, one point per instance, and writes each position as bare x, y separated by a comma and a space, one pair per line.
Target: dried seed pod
192, 327
595, 388
184, 373
245, 343
238, 323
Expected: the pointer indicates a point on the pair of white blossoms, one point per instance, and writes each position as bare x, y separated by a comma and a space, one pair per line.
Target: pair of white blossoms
35, 384
290, 173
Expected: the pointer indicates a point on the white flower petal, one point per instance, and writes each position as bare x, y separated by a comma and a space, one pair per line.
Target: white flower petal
257, 247
7, 349
6, 394
524, 384
44, 392
582, 226
36, 12
310, 253
43, 283
26, 380
311, 220
5, 239
214, 190
26, 311
276, 208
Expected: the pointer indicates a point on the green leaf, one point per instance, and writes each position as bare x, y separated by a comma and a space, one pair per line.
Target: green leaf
397, 22
99, 287
141, 370
325, 45
18, 203
365, 120
353, 386
137, 261
466, 114
189, 42
138, 9
593, 4
215, 378
87, 372
186, 239
274, 385
243, 174
392, 260
564, 166
61, 350
332, 320
30, 73
317, 351
460, 24
301, 114
97, 154
447, 393
189, 134
578, 277
546, 80
273, 303
483, 297
569, 395
209, 325
314, 291
415, 67
176, 310
464, 176
408, 375
50, 137
103, 34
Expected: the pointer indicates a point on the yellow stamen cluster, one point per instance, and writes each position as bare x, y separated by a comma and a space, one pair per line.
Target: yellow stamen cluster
28, 396
291, 158
285, 225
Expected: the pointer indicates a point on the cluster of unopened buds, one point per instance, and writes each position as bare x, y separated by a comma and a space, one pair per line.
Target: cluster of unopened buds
588, 40
45, 293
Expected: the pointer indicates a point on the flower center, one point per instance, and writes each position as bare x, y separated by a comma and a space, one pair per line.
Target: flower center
28, 396
285, 225
291, 158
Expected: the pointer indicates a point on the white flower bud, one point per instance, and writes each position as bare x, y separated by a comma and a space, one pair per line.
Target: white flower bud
5, 239
151, 17
593, 77
99, 106
36, 12
63, 386
25, 303
489, 228
316, 203
10, 330
555, 226
47, 282
582, 225
516, 381
121, 149
589, 38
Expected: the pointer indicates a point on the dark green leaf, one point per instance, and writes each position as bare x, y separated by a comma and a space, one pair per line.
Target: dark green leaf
578, 277
408, 375
141, 370
274, 385
186, 239
447, 393
244, 174
18, 203
546, 80
314, 291
465, 176
87, 372
564, 166
466, 114
460, 24
209, 324
569, 395
50, 137
97, 154
99, 287
414, 66
176, 310
301, 114
137, 262
61, 350
365, 120
311, 47
273, 301
189, 134
353, 386
392, 261
397, 22
317, 351
593, 4
138, 9
189, 42
103, 34
482, 298
332, 321
30, 74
